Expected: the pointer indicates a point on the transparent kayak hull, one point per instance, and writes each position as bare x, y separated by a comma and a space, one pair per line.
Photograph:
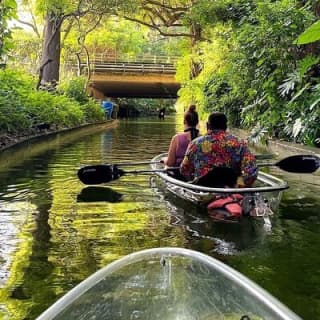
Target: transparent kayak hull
168, 283
265, 195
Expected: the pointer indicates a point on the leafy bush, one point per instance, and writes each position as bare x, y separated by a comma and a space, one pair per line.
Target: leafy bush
14, 88
22, 108
75, 89
92, 111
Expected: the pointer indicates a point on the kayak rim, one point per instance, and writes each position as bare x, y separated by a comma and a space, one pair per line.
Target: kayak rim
242, 281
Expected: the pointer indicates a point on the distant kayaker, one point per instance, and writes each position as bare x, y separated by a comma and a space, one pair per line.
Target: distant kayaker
180, 141
218, 148
162, 112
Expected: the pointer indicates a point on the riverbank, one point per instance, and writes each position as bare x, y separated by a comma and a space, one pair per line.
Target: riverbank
277, 147
282, 149
8, 141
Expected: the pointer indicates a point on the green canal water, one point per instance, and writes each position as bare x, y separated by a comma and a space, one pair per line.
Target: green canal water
55, 231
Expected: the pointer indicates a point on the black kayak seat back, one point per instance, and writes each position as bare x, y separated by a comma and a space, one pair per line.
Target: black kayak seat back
219, 177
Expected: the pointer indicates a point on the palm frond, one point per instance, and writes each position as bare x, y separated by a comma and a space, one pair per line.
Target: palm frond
258, 135
289, 84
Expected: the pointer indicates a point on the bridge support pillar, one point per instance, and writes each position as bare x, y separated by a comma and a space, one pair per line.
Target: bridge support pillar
94, 92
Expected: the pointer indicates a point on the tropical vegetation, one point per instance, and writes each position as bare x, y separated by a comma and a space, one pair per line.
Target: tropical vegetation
23, 109
256, 60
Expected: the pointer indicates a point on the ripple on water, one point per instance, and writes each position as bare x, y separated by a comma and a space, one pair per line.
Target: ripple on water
71, 237
16, 217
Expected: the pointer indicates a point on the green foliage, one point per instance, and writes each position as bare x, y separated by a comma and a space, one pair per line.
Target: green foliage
7, 12
14, 88
92, 111
254, 73
123, 36
26, 47
22, 108
74, 88
312, 34
251, 68
57, 7
148, 106
212, 12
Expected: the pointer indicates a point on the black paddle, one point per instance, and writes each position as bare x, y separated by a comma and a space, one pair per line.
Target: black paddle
296, 164
104, 173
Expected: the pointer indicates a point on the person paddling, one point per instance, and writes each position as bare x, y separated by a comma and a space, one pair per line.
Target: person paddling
162, 113
180, 141
219, 149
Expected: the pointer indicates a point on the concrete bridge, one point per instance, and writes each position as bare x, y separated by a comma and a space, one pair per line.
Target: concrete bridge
142, 77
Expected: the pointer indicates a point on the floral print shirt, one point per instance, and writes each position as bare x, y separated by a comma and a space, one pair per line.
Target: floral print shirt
219, 149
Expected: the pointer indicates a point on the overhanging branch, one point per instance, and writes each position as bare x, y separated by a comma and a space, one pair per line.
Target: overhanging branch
163, 5
31, 25
165, 33
158, 28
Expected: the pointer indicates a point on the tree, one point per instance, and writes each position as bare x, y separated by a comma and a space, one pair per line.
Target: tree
7, 12
171, 19
56, 13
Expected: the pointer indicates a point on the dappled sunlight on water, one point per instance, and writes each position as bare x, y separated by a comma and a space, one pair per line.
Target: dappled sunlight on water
55, 231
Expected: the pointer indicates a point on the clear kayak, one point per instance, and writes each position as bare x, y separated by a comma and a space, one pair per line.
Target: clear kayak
168, 283
262, 199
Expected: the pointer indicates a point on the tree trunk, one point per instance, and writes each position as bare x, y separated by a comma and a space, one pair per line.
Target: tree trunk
50, 62
196, 67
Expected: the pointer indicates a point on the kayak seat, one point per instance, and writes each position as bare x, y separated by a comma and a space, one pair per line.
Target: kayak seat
219, 177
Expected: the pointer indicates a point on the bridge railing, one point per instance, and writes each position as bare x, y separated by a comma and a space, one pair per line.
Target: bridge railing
126, 58
132, 68
102, 63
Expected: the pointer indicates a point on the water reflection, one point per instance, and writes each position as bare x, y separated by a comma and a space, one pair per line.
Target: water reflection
54, 231
202, 233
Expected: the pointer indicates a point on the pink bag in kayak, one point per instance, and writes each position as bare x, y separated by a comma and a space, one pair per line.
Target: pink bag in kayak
230, 203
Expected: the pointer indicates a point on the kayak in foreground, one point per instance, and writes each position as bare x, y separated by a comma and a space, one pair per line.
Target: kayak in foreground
168, 283
261, 200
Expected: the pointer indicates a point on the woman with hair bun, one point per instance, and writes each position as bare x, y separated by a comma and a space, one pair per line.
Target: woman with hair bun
180, 141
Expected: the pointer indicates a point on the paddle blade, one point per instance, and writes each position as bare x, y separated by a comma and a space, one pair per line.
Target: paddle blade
300, 164
99, 174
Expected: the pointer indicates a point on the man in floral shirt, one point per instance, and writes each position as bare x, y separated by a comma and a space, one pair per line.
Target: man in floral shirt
219, 149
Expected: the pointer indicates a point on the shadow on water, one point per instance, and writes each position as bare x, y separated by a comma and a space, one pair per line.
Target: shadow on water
98, 194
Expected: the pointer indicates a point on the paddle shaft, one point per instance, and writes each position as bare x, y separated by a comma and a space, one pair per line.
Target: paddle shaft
97, 174
151, 170
309, 162
267, 164
124, 164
